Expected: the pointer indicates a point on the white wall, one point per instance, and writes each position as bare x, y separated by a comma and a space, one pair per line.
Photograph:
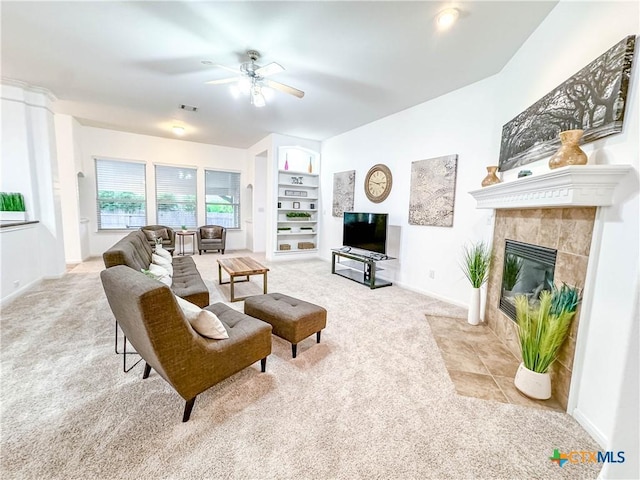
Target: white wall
462, 122
561, 46
103, 143
469, 122
29, 166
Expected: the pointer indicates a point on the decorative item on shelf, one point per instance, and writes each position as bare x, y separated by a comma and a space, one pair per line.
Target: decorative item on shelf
286, 163
524, 173
491, 178
296, 205
312, 206
569, 152
296, 181
183, 228
310, 166
12, 208
279, 204
306, 245
284, 246
306, 228
298, 216
475, 265
295, 193
284, 229
542, 329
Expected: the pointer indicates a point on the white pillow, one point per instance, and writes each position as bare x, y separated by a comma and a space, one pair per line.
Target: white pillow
204, 322
163, 262
161, 274
163, 253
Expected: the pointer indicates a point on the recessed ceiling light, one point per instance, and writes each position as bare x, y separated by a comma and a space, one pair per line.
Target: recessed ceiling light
177, 130
447, 17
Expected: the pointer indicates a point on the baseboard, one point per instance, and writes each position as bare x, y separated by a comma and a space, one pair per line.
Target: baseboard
21, 291
591, 429
432, 295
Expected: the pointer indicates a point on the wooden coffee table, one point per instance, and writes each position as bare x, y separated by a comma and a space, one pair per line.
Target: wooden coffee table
241, 267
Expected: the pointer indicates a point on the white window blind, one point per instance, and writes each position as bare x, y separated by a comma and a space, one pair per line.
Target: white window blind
121, 198
176, 196
222, 198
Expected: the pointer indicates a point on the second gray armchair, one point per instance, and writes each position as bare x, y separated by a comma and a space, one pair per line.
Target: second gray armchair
211, 237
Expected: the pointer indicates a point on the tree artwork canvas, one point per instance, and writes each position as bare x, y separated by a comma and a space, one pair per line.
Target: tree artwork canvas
432, 192
593, 100
344, 184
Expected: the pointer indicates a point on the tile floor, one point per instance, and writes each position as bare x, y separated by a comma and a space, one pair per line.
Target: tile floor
479, 364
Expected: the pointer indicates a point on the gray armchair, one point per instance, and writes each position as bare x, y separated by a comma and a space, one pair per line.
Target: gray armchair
167, 234
149, 315
211, 237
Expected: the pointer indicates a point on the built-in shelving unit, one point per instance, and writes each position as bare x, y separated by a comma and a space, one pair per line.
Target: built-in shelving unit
298, 194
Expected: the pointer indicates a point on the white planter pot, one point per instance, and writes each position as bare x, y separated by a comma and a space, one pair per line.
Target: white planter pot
474, 307
533, 384
13, 216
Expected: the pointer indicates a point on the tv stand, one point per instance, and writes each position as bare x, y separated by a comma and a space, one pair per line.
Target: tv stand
359, 268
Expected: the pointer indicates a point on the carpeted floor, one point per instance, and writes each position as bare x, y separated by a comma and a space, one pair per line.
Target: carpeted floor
373, 400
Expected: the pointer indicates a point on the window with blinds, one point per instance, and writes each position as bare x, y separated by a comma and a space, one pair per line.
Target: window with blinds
222, 198
121, 194
176, 196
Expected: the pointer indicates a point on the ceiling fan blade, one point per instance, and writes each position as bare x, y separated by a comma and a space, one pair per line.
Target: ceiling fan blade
223, 80
285, 88
209, 63
270, 69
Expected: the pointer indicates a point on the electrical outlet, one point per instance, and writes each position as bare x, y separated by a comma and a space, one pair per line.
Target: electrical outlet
432, 274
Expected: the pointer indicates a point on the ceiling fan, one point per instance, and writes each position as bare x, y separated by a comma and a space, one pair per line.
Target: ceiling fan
251, 79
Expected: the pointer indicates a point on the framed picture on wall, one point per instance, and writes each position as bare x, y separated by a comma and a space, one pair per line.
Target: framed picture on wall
296, 205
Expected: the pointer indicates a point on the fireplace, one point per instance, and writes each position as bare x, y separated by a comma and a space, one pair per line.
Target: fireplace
527, 270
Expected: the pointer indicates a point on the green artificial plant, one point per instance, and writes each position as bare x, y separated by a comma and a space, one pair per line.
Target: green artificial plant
11, 202
298, 215
543, 326
475, 263
512, 269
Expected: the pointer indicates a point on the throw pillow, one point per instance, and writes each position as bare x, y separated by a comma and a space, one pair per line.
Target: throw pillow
161, 274
150, 234
163, 262
163, 253
162, 233
204, 322
210, 233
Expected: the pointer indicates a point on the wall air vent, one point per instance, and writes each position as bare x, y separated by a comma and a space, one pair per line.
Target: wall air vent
189, 108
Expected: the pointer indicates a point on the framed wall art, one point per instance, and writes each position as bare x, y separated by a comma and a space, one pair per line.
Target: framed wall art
593, 100
433, 189
344, 184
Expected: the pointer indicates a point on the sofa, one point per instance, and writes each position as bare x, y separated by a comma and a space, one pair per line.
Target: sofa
152, 320
211, 237
135, 252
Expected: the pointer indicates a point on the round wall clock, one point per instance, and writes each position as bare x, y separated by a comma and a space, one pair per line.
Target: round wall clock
377, 183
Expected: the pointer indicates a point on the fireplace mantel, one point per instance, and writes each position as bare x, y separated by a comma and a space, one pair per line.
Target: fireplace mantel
572, 186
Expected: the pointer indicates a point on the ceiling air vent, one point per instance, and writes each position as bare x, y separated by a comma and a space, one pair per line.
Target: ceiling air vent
189, 108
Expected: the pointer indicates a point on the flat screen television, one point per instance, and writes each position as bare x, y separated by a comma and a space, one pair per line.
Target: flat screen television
367, 231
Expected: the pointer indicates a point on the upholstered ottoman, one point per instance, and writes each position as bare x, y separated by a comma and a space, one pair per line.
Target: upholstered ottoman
291, 319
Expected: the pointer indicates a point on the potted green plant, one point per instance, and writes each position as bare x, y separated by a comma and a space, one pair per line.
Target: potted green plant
511, 273
12, 207
298, 215
543, 326
475, 265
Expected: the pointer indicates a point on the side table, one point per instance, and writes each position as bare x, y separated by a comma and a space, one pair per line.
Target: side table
181, 235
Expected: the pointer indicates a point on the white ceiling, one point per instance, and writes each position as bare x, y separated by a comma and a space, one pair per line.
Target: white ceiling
129, 65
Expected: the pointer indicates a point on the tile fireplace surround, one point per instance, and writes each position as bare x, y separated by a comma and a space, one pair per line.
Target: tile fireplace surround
567, 230
556, 209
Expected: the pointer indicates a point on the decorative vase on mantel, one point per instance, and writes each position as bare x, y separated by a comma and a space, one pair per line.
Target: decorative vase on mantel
569, 152
491, 177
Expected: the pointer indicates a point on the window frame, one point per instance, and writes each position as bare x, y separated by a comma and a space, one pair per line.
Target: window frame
145, 202
239, 204
195, 201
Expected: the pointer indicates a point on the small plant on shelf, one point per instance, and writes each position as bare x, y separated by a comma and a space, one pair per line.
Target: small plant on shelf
298, 215
306, 228
284, 228
11, 202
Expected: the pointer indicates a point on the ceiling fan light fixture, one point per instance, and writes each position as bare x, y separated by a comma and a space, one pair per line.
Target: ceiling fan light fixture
447, 17
244, 85
235, 90
257, 98
267, 93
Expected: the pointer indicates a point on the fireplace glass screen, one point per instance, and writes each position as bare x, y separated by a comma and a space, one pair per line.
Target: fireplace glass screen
528, 270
